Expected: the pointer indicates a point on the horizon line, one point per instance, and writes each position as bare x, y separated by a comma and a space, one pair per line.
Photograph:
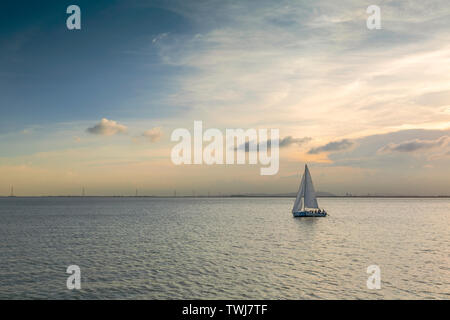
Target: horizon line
228, 196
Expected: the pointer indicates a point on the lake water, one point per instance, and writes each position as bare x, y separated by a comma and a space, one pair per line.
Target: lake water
223, 248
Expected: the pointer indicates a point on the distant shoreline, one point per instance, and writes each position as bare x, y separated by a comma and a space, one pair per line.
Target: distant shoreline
227, 196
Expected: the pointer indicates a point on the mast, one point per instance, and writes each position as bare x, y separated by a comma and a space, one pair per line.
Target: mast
12, 191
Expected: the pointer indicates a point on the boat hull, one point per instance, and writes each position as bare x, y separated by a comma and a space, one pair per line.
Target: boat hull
309, 214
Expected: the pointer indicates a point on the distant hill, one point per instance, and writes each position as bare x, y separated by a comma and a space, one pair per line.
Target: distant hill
291, 194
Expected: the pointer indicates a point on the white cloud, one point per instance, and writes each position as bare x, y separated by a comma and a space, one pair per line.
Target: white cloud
107, 128
159, 37
153, 135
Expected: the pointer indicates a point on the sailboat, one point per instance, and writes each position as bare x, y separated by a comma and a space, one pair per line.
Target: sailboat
305, 204
11, 195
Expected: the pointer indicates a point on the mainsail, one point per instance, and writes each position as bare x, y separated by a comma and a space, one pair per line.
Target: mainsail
310, 194
306, 195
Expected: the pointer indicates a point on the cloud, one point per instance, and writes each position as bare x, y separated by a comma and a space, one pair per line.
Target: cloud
160, 37
434, 99
285, 142
153, 135
107, 128
441, 156
415, 145
332, 146
277, 62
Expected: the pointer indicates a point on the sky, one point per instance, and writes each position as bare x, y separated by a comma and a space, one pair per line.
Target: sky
368, 110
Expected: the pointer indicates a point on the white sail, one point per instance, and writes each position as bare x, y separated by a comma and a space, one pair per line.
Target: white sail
299, 200
309, 194
306, 196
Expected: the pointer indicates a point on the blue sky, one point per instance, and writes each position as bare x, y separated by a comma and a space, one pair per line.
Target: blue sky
372, 106
50, 74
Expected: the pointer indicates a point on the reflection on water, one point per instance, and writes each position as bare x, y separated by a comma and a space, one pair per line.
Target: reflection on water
147, 248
